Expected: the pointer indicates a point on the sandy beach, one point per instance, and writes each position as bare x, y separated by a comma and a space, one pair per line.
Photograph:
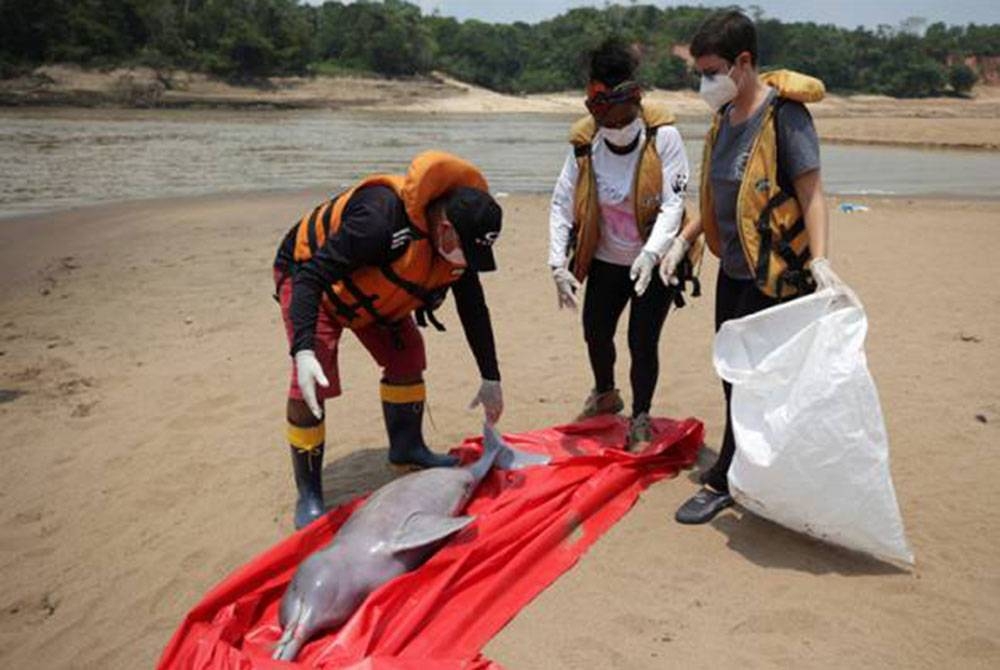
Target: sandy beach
142, 377
972, 123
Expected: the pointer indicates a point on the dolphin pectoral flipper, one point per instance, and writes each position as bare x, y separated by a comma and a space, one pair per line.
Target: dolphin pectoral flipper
421, 528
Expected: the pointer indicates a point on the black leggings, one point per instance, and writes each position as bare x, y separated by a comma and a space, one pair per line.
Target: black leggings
734, 298
609, 289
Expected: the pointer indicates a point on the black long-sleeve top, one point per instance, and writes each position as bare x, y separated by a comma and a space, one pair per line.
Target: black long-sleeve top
375, 230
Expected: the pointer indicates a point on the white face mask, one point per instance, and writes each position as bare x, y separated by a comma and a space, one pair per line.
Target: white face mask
622, 137
455, 256
718, 89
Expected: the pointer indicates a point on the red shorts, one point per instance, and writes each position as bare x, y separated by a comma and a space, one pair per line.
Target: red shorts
400, 351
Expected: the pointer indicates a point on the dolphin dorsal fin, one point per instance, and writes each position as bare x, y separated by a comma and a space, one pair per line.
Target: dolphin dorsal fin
421, 529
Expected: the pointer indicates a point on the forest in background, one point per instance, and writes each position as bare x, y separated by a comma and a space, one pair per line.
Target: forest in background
245, 40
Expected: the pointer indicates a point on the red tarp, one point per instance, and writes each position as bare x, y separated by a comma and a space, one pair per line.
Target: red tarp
531, 526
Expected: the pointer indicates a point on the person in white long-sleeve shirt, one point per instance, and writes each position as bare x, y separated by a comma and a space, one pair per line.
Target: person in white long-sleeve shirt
617, 211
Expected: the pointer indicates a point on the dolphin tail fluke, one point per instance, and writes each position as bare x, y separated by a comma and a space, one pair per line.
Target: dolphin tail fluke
507, 457
515, 459
497, 452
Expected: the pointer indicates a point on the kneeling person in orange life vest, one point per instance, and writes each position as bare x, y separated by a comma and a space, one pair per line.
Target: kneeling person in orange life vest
369, 260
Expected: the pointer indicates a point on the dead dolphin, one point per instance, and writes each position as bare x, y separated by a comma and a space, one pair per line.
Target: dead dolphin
395, 531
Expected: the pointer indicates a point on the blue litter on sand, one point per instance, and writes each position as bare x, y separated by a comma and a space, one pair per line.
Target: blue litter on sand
850, 207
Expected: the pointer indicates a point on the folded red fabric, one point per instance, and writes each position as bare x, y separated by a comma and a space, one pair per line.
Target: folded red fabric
531, 526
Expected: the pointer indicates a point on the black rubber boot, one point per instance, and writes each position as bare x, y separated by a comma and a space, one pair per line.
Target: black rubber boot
308, 466
404, 422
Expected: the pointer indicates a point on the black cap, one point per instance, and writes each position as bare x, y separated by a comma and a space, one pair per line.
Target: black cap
476, 218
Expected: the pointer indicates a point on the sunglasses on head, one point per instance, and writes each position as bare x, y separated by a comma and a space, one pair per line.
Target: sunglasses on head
601, 97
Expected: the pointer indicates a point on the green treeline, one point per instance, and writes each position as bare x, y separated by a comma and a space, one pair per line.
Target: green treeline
248, 39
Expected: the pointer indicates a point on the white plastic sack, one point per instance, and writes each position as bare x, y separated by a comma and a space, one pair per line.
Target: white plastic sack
811, 446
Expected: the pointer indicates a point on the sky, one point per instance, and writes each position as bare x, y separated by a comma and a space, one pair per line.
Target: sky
847, 13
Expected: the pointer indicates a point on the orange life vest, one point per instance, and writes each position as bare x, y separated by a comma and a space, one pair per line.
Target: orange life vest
385, 294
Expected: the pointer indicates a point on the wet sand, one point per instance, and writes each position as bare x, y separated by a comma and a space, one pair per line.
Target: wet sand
143, 368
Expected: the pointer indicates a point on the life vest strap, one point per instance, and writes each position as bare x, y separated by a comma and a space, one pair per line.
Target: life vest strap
326, 217
784, 183
795, 274
784, 245
311, 230
800, 280
424, 315
416, 290
764, 231
365, 302
429, 298
685, 275
340, 307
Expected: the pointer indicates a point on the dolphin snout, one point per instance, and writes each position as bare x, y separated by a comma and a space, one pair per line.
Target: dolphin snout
295, 634
287, 651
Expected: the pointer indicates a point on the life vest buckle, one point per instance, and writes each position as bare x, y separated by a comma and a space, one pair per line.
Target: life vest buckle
424, 315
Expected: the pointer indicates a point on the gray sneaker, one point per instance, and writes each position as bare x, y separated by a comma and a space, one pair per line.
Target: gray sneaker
640, 433
703, 506
607, 402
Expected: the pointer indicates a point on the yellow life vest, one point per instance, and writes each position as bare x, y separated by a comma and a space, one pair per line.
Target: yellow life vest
388, 293
768, 218
647, 192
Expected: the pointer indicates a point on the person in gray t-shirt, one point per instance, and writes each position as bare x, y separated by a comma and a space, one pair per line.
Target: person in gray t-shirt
725, 52
798, 153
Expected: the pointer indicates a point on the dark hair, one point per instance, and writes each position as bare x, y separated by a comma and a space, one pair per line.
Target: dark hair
612, 63
725, 34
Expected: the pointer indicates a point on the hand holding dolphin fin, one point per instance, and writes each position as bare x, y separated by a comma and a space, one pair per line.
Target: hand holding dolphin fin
490, 396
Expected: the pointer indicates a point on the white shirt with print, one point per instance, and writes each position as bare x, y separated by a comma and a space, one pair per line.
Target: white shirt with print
619, 241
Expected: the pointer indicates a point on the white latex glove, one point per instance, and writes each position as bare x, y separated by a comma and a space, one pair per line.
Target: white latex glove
825, 278
824, 275
672, 259
642, 270
566, 287
309, 372
490, 396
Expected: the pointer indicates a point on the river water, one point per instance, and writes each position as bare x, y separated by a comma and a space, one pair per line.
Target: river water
56, 159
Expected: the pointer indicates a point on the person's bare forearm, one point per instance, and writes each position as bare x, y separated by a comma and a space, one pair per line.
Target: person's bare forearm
692, 229
809, 191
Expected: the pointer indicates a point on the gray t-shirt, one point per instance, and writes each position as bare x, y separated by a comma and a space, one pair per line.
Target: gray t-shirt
798, 146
